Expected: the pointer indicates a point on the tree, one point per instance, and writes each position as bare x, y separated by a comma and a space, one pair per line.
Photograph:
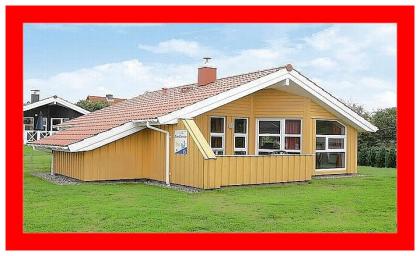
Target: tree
380, 157
363, 156
92, 105
358, 108
385, 120
372, 156
391, 158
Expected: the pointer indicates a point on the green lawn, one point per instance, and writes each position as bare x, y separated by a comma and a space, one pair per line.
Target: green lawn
357, 204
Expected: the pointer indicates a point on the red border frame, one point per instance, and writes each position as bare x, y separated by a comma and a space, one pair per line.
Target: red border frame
403, 16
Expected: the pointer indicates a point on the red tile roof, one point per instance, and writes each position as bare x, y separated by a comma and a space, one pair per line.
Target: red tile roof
149, 105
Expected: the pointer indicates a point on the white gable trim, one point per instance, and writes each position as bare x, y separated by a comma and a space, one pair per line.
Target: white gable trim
55, 100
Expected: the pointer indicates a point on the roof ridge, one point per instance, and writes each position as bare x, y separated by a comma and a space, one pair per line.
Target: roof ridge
218, 79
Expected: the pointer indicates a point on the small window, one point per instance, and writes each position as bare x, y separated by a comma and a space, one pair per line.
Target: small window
217, 135
217, 125
329, 128
28, 123
292, 126
269, 142
326, 160
216, 142
240, 136
240, 142
320, 143
292, 143
336, 143
269, 127
240, 125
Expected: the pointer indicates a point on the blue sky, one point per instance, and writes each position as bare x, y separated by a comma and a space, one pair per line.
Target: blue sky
355, 62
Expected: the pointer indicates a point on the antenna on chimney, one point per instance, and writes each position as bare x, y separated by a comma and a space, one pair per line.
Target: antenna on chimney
206, 60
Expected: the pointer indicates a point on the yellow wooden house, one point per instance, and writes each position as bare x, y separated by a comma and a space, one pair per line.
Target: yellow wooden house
267, 126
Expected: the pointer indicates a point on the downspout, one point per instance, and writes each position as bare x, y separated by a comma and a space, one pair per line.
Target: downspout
166, 150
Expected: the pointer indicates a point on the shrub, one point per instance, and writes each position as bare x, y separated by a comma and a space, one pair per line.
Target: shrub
391, 158
380, 157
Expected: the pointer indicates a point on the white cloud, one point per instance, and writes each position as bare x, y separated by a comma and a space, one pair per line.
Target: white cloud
385, 99
323, 63
188, 48
123, 79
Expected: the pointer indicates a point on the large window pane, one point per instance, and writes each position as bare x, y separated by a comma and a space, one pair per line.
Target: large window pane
216, 142
326, 160
217, 125
240, 125
320, 143
335, 143
329, 128
269, 127
239, 142
240, 152
269, 142
292, 126
292, 143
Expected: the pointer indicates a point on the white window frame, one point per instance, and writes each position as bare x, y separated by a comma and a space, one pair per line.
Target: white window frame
327, 150
222, 135
240, 135
282, 135
62, 120
33, 123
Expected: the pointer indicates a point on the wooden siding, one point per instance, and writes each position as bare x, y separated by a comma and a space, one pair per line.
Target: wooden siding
133, 157
243, 170
185, 169
69, 164
142, 155
351, 150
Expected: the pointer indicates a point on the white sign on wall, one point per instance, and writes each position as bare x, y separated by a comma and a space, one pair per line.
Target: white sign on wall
181, 142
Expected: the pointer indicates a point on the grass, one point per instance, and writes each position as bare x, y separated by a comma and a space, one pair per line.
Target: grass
364, 203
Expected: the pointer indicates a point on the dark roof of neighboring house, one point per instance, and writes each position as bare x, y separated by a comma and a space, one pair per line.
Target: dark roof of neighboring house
147, 106
54, 100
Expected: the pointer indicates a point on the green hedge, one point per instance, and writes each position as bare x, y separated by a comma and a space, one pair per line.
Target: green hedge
377, 157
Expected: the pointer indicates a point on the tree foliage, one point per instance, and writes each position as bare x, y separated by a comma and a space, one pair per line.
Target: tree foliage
377, 148
391, 158
92, 105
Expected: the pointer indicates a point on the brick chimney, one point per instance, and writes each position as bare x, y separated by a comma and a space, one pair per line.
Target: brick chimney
206, 73
34, 96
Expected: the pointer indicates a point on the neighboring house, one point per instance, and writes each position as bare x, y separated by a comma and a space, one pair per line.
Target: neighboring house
267, 126
109, 98
42, 118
